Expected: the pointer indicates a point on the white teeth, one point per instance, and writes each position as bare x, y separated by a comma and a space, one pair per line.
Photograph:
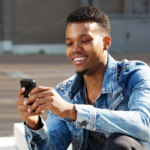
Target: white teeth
77, 59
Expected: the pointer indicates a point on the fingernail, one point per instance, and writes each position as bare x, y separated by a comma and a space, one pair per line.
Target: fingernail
25, 102
41, 112
22, 89
29, 95
29, 110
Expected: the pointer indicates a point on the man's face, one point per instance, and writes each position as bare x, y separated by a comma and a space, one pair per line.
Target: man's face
84, 46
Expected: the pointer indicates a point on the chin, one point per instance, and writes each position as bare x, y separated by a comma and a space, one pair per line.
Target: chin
82, 72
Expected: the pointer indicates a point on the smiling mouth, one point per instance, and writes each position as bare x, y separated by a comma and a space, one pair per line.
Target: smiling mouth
79, 59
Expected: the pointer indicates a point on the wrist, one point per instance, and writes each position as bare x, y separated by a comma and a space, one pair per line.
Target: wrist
35, 125
73, 112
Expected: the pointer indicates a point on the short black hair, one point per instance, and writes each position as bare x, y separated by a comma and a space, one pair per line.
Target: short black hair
89, 13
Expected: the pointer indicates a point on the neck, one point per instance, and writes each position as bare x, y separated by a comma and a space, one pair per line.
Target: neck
94, 82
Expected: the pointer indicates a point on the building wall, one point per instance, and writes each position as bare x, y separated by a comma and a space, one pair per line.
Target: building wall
130, 33
0, 19
7, 17
0, 26
109, 6
28, 26
42, 22
140, 6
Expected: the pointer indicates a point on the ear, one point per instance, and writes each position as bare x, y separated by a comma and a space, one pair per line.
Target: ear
106, 42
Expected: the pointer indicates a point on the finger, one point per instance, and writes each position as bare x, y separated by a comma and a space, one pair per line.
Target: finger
42, 107
35, 114
27, 114
39, 89
22, 108
39, 95
39, 102
29, 102
21, 101
20, 92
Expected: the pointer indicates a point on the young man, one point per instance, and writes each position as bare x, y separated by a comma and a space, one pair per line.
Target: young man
105, 106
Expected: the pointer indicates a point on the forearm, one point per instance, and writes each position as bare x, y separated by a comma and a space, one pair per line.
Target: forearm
133, 123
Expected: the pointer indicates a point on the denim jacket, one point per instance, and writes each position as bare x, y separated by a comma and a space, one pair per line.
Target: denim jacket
123, 106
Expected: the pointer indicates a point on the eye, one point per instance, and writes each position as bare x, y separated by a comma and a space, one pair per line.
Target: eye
85, 41
69, 44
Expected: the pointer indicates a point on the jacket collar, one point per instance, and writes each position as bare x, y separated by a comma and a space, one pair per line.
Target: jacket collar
109, 81
110, 76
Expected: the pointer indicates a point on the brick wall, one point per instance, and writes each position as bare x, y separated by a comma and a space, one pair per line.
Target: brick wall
43, 22
7, 19
127, 6
136, 6
149, 6
36, 22
108, 6
140, 6
0, 20
112, 7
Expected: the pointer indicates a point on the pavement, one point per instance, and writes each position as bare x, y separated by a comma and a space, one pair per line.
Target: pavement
45, 75
47, 70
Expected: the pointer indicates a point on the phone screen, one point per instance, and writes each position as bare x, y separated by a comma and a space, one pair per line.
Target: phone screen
29, 84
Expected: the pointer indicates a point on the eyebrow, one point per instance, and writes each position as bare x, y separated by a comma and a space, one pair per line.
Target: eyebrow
82, 35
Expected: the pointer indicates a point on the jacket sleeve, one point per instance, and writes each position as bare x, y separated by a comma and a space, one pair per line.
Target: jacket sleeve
134, 122
54, 135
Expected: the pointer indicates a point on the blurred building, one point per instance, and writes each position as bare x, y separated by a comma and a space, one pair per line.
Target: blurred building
32, 26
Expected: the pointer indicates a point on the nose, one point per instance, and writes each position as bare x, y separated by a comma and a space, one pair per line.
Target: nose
76, 47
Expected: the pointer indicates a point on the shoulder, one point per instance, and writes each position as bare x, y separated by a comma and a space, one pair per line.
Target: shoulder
137, 69
133, 72
64, 85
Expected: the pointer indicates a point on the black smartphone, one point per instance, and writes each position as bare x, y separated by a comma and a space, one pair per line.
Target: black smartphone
29, 84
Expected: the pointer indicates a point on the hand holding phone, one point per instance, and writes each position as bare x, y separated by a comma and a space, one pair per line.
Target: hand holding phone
32, 118
29, 84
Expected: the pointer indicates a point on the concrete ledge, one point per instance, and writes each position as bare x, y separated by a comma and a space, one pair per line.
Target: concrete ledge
7, 143
37, 48
19, 136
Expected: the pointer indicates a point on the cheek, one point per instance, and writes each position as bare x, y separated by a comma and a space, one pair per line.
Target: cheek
98, 47
88, 47
97, 50
98, 44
